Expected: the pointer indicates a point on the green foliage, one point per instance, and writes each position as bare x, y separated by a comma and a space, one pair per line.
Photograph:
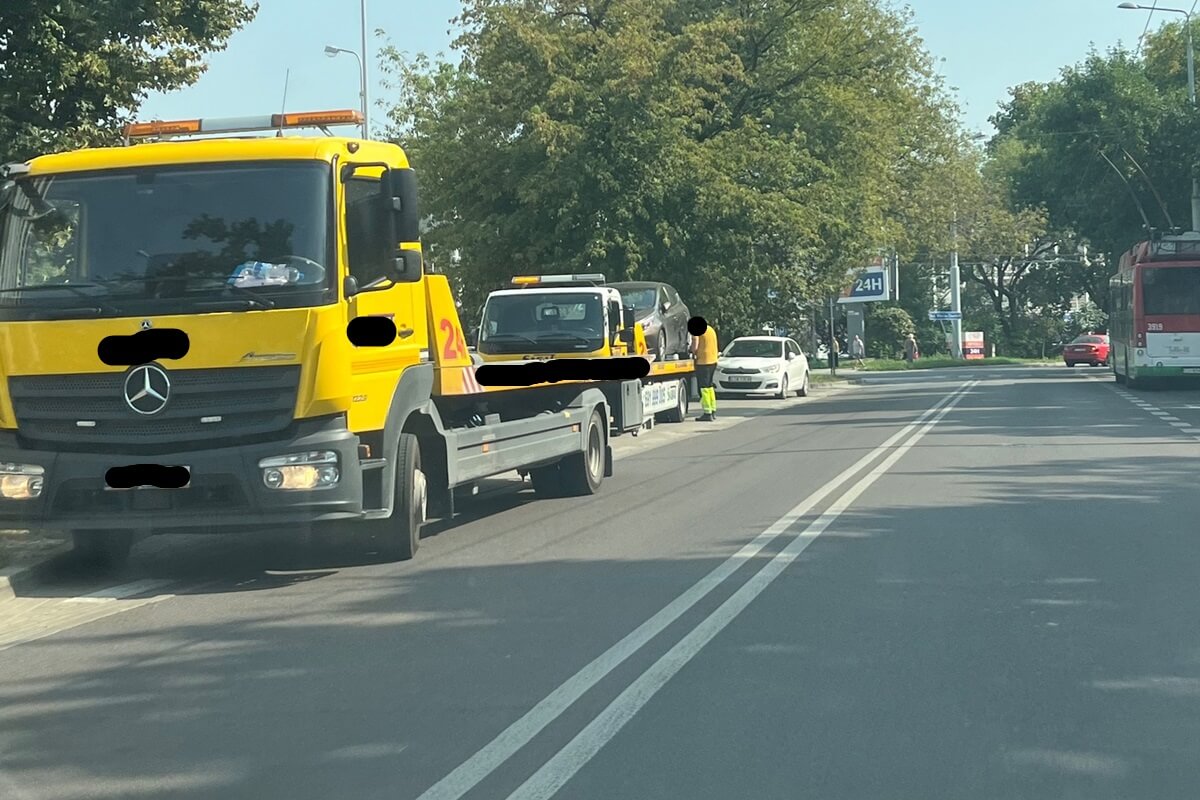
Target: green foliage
72, 70
733, 149
1089, 318
887, 328
887, 365
1056, 142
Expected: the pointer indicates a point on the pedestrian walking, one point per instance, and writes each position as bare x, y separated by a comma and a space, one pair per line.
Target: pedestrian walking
704, 351
911, 352
858, 351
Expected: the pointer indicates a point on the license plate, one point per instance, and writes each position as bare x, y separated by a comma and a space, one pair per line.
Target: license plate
187, 485
742, 379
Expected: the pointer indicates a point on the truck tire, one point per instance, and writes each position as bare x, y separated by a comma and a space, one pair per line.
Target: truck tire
400, 534
547, 480
680, 411
582, 473
102, 550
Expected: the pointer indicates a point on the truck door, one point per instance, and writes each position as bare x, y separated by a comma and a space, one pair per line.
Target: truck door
375, 370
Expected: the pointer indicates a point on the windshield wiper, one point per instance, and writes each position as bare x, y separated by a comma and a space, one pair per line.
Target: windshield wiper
252, 298
249, 295
563, 336
520, 336
76, 288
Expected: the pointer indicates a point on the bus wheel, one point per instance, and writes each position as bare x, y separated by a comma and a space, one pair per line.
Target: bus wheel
102, 550
582, 473
400, 534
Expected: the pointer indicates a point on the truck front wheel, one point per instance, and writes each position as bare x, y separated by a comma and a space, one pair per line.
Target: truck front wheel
582, 473
400, 534
104, 550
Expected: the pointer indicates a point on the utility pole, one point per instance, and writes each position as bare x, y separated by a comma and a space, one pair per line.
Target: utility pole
366, 60
832, 341
955, 291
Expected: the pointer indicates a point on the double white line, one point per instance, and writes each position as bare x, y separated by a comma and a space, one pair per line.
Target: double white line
566, 762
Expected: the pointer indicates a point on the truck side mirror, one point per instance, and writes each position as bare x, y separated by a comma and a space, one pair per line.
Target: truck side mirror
408, 266
402, 185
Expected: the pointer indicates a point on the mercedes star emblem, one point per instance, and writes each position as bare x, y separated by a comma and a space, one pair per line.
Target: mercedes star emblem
146, 389
147, 324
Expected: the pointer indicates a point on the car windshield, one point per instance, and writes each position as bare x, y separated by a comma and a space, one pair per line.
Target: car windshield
159, 240
560, 321
1090, 340
640, 299
754, 348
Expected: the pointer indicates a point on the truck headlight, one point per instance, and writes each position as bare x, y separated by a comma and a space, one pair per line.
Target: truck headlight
21, 481
298, 471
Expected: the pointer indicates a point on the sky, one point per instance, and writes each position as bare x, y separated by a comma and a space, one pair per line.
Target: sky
983, 47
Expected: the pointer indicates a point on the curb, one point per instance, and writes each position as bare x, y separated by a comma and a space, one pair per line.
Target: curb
11, 578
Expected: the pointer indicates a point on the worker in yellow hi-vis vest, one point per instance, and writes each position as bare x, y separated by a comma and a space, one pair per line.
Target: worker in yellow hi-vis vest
704, 351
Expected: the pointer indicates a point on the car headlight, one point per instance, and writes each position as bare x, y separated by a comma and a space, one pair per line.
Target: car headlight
771, 368
301, 471
21, 481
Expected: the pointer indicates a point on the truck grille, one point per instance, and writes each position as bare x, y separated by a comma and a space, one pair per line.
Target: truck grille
249, 402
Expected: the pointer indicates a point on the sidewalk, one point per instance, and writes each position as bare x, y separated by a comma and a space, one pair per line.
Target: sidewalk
20, 549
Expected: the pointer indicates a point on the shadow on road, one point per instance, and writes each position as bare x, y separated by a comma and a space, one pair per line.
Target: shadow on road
1016, 630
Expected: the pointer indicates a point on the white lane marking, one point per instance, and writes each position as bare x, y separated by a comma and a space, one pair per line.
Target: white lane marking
474, 770
120, 592
551, 777
1163, 416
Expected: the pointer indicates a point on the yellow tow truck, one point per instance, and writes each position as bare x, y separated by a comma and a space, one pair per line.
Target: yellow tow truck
545, 317
278, 344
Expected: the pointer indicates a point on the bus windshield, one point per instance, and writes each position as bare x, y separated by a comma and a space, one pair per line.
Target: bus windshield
562, 321
1168, 291
162, 240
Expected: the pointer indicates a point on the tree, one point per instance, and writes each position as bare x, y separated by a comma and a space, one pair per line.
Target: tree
1100, 147
748, 152
71, 70
887, 328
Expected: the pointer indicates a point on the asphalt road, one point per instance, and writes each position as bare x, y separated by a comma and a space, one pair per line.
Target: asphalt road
958, 584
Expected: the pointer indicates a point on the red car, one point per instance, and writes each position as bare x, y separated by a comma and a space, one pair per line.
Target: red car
1090, 348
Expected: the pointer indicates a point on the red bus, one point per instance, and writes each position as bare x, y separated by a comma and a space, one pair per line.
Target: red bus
1154, 319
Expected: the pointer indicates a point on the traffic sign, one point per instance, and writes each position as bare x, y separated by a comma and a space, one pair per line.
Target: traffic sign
869, 285
944, 316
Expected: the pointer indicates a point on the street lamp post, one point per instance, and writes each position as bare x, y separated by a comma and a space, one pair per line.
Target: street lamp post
1191, 61
332, 52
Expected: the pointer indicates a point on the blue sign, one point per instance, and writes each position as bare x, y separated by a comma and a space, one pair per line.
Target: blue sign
870, 285
944, 316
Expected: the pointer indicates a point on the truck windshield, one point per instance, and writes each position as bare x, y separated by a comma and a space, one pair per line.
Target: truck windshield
566, 321
166, 240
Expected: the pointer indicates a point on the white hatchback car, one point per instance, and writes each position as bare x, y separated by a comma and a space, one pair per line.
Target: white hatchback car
762, 365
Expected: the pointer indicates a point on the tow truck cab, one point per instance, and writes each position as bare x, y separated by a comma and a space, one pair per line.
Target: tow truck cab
557, 316
266, 255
